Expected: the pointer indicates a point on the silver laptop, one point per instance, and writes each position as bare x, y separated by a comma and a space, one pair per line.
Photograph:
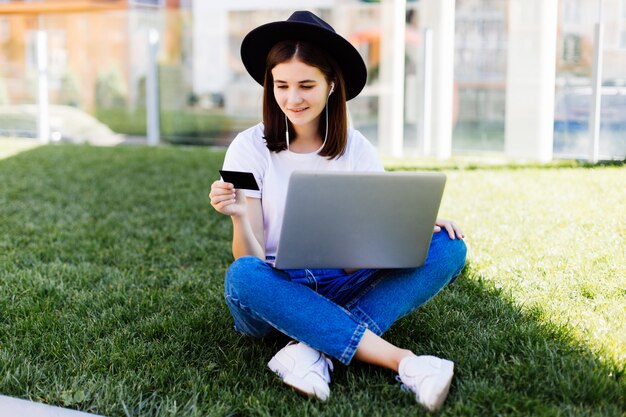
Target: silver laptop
358, 219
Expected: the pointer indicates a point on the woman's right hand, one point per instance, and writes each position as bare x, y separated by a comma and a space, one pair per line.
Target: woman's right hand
227, 200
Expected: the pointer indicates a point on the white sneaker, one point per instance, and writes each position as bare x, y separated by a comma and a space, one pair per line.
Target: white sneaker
304, 369
428, 377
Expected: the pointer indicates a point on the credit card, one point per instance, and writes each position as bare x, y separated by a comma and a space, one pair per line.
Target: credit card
241, 180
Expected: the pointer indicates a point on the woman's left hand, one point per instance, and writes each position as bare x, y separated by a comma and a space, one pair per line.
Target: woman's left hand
451, 227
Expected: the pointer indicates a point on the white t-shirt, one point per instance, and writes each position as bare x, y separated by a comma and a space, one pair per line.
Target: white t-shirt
248, 152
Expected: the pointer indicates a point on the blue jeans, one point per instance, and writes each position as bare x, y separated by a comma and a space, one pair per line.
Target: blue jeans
330, 310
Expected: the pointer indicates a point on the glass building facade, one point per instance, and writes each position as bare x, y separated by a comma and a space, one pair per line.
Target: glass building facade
97, 63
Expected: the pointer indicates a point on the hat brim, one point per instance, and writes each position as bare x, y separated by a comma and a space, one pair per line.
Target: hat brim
258, 43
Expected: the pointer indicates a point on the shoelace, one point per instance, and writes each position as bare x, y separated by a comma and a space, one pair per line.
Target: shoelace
320, 366
405, 388
323, 365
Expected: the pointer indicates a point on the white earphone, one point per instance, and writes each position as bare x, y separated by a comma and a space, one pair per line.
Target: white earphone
332, 88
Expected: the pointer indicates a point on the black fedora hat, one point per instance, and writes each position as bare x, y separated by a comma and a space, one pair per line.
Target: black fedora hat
304, 26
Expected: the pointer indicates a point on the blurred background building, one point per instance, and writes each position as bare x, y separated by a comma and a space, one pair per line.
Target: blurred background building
97, 64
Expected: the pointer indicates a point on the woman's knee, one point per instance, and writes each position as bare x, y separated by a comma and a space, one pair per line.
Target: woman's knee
249, 278
238, 276
457, 253
450, 253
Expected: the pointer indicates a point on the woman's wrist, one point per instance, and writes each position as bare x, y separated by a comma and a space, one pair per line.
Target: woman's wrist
238, 217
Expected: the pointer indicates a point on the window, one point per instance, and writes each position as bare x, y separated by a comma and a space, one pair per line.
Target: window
571, 11
149, 3
571, 48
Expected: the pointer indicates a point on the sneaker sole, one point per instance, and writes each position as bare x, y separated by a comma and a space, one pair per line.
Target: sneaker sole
295, 382
444, 380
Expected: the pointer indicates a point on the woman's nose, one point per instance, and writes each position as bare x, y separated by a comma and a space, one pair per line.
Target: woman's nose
294, 96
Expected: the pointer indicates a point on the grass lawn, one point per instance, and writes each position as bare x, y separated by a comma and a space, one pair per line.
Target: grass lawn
111, 270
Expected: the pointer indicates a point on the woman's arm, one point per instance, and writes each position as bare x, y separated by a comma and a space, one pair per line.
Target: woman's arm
248, 238
247, 217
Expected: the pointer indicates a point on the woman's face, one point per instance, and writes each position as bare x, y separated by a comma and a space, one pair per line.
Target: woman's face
301, 91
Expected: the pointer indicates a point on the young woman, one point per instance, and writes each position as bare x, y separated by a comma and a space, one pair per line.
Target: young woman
308, 73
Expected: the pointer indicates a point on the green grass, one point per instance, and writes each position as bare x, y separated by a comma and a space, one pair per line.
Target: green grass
111, 269
191, 127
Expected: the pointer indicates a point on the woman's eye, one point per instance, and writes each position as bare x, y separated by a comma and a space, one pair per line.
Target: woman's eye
281, 87
307, 87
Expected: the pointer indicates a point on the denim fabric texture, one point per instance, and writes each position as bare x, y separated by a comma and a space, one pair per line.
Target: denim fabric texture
330, 310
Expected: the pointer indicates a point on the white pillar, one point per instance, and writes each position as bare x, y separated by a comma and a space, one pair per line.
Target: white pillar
397, 79
43, 119
439, 16
210, 46
426, 121
152, 90
384, 78
596, 88
391, 76
530, 82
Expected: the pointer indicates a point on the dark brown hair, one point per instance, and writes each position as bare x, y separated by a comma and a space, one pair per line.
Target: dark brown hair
274, 118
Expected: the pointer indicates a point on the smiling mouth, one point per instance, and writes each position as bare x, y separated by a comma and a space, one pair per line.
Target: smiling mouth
298, 110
